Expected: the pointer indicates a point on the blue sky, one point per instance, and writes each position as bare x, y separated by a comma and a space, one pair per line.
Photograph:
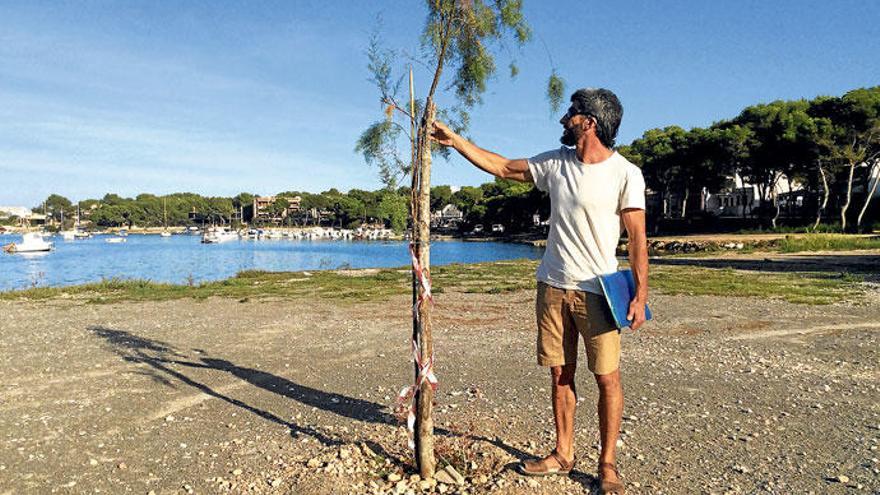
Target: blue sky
222, 97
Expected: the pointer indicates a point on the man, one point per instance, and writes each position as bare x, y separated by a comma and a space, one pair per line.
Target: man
593, 191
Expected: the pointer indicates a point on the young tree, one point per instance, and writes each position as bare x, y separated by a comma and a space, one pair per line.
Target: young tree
457, 39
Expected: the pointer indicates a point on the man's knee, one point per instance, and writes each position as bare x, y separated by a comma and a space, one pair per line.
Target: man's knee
609, 381
563, 375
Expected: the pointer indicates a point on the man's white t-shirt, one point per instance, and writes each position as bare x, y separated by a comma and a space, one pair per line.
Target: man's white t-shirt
585, 205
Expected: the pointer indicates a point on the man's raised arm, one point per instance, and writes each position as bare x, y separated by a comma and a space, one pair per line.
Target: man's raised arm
492, 163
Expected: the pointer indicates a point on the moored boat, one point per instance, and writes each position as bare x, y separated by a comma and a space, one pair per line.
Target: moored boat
31, 242
217, 235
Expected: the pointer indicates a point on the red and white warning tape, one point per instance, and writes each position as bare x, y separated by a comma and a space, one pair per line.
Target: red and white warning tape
425, 366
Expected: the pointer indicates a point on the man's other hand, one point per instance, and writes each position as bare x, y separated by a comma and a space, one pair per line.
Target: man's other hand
636, 313
441, 133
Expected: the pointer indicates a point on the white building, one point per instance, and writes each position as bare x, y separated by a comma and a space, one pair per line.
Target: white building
25, 215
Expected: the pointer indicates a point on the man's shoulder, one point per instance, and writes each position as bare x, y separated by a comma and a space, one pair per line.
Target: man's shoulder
625, 165
558, 154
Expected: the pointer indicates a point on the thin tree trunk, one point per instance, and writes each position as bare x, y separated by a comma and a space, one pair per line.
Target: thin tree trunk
684, 203
825, 194
775, 196
852, 169
870, 193
425, 396
666, 203
424, 427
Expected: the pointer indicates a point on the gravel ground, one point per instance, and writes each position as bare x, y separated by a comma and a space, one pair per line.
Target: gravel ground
723, 395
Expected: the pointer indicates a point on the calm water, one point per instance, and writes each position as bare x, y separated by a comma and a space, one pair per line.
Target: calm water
175, 259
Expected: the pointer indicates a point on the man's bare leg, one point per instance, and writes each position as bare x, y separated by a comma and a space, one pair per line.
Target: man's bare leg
610, 412
564, 398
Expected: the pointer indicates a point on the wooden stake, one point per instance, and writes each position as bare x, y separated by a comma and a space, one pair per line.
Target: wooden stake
425, 396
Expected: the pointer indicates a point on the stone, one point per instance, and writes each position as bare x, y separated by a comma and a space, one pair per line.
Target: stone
393, 477
236, 472
459, 479
841, 478
444, 478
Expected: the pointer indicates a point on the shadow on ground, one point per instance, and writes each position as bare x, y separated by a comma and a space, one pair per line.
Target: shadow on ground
159, 356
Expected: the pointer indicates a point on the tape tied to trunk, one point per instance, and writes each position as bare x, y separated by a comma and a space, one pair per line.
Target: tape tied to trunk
406, 399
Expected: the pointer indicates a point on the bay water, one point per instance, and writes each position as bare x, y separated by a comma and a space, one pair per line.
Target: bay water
182, 259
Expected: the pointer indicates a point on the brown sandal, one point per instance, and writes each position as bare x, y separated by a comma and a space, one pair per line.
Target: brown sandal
610, 487
535, 468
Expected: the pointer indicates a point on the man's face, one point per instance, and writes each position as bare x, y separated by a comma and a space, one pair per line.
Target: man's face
573, 127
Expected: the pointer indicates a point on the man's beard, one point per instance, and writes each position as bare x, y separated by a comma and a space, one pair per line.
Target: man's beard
569, 137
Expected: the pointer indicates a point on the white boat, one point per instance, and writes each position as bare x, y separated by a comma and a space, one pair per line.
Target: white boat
31, 242
115, 240
81, 234
165, 233
68, 235
217, 235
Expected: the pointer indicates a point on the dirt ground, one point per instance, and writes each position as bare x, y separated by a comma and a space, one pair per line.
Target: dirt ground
723, 395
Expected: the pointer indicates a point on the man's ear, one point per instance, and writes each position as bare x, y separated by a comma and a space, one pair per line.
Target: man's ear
586, 123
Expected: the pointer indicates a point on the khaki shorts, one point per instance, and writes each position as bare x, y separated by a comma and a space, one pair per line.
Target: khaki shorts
562, 316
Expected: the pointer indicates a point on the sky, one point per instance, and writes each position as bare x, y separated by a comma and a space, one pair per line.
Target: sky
263, 96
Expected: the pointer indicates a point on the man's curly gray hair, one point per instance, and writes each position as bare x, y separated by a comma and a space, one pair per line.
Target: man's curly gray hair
602, 105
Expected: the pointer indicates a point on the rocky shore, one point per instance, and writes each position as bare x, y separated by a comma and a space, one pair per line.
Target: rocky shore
724, 395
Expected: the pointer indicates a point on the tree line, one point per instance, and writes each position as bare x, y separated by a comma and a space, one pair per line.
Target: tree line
825, 147
828, 147
501, 201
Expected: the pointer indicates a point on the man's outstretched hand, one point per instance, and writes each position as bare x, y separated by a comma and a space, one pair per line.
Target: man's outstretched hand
636, 313
442, 134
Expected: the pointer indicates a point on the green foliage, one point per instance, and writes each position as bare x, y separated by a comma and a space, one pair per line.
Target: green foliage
514, 70
767, 145
378, 146
244, 199
440, 196
555, 91
394, 209
459, 38
279, 207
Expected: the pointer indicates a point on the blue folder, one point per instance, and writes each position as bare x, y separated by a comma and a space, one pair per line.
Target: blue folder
620, 289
